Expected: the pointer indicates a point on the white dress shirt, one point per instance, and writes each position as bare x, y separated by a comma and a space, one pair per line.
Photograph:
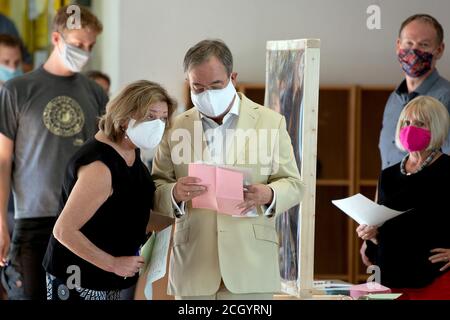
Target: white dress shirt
216, 139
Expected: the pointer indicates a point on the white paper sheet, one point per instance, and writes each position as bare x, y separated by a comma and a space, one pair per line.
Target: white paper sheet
365, 211
157, 262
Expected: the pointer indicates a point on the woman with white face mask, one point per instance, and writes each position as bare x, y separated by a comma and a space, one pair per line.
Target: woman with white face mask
106, 198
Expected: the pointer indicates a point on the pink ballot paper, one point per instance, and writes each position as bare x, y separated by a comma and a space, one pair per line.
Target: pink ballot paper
225, 188
367, 288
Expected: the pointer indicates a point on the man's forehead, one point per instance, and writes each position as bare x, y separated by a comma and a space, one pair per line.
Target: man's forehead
208, 75
80, 35
419, 29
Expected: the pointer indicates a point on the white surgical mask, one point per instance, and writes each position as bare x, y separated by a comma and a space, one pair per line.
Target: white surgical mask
213, 103
74, 58
146, 135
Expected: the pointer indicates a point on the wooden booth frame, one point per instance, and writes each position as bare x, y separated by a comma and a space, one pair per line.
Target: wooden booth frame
303, 286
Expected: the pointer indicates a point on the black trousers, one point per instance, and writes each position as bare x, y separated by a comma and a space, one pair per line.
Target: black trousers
24, 278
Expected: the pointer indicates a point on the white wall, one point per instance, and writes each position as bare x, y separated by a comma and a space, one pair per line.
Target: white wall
106, 56
154, 36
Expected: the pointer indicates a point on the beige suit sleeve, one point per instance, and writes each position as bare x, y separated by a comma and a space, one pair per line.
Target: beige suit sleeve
285, 177
163, 174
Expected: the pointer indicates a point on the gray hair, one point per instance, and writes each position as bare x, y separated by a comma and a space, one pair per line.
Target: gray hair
431, 112
205, 49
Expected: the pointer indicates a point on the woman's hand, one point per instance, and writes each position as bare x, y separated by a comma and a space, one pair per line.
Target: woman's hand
442, 255
127, 267
362, 252
366, 232
4, 245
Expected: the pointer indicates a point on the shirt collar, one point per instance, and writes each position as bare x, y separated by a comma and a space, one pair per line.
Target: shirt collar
423, 89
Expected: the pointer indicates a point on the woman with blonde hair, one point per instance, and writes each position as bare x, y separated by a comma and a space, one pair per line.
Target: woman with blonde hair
106, 200
411, 248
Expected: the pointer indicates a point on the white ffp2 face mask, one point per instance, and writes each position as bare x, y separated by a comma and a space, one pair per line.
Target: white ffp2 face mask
213, 103
146, 135
74, 58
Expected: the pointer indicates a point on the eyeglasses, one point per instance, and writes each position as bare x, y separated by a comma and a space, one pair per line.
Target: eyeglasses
219, 85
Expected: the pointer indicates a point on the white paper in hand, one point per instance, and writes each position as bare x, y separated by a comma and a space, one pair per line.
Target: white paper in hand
365, 211
155, 255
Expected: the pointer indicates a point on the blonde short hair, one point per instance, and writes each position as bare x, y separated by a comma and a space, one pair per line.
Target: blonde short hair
431, 112
133, 102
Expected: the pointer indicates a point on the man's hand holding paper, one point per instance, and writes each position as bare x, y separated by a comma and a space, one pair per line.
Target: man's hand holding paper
188, 188
225, 188
255, 196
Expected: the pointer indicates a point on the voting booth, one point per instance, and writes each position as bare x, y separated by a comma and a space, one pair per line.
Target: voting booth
292, 89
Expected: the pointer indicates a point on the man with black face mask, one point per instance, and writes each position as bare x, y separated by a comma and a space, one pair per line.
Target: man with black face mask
45, 117
419, 46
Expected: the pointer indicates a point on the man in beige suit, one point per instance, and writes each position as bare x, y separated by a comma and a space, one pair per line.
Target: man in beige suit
218, 256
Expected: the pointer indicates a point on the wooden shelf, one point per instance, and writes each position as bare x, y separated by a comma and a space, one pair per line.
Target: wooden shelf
368, 183
331, 251
362, 278
350, 119
253, 91
334, 159
342, 276
371, 101
244, 86
333, 183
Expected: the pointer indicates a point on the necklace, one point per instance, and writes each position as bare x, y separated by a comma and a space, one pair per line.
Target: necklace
423, 165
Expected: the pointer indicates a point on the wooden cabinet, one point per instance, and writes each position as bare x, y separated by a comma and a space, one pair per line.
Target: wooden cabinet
334, 255
350, 119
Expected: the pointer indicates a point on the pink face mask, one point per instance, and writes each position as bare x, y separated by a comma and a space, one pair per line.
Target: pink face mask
415, 138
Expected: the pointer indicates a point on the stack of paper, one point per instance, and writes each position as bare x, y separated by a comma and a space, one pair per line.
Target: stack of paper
225, 188
332, 287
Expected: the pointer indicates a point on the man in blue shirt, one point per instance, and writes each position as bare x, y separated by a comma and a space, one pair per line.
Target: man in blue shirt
419, 46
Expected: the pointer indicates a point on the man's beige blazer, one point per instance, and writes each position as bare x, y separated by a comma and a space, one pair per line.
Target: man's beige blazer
209, 246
